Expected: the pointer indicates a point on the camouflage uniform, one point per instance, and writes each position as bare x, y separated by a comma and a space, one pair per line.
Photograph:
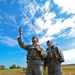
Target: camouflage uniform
34, 58
54, 60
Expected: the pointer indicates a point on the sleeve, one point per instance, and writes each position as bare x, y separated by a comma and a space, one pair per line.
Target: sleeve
61, 56
22, 45
43, 52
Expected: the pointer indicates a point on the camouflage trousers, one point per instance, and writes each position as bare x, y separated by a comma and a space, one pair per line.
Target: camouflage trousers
54, 68
34, 68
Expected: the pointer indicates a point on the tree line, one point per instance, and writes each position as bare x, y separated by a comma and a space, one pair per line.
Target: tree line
2, 67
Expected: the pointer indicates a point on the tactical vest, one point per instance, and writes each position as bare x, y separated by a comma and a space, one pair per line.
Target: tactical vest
33, 53
52, 54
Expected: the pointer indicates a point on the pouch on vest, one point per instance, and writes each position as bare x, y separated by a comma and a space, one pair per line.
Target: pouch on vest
31, 52
49, 53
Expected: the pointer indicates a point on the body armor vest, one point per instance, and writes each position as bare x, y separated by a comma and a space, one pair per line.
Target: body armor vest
32, 52
52, 53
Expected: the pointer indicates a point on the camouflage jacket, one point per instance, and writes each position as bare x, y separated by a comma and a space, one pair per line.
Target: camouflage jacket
54, 53
32, 52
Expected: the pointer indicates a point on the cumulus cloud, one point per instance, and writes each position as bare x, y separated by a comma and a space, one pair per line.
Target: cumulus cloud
57, 28
67, 6
69, 56
46, 24
8, 41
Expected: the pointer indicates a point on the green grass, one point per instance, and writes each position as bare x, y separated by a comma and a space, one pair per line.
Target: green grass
67, 70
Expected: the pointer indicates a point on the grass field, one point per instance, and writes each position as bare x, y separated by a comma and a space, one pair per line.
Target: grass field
67, 70
12, 72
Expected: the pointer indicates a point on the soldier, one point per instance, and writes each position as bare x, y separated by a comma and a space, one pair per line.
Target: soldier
54, 59
35, 55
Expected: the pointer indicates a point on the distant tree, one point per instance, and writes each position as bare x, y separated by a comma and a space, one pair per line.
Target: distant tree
18, 67
2, 67
24, 69
12, 66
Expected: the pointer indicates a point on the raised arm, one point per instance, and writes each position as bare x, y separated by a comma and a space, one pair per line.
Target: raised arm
20, 42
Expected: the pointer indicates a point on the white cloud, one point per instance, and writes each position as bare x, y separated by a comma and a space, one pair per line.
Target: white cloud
8, 19
30, 9
12, 18
67, 5
47, 5
73, 44
69, 56
25, 20
47, 24
56, 28
72, 33
68, 34
44, 39
46, 19
8, 41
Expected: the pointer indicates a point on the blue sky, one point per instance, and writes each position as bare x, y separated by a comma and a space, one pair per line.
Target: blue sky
46, 19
